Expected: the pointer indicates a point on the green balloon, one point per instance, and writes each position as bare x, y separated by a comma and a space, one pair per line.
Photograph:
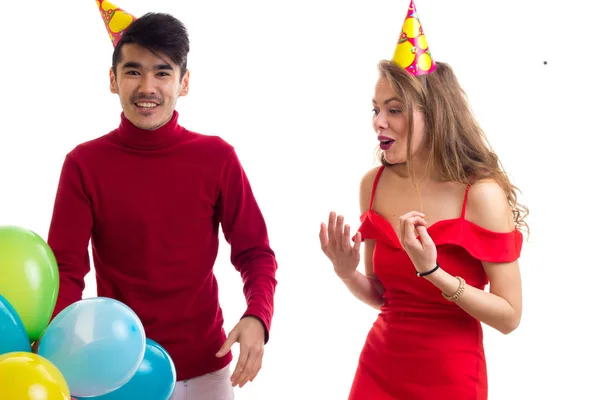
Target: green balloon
28, 277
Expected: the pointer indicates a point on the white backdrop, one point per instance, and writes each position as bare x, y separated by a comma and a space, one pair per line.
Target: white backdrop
289, 84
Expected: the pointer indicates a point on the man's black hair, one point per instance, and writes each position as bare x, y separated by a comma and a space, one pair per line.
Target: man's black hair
159, 33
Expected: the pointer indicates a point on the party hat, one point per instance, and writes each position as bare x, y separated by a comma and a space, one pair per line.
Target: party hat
115, 19
412, 51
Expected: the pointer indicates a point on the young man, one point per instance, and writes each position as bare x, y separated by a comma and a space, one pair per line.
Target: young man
151, 196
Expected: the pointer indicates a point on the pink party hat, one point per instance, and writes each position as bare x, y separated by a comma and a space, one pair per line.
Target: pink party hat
412, 51
115, 19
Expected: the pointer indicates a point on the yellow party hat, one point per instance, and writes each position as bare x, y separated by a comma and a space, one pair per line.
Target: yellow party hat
115, 19
412, 51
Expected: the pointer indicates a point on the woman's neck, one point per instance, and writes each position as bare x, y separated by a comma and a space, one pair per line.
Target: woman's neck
423, 169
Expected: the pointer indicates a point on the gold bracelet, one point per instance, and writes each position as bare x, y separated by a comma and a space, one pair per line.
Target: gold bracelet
459, 291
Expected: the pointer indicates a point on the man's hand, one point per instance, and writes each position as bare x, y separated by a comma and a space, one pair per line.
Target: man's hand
250, 334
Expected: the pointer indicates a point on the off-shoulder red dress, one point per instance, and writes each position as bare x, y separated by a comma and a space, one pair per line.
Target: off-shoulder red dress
422, 346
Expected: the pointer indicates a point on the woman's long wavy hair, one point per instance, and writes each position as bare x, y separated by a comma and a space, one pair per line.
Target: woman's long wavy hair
459, 149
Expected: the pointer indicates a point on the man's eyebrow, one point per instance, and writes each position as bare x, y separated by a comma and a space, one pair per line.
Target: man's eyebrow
137, 65
163, 67
132, 64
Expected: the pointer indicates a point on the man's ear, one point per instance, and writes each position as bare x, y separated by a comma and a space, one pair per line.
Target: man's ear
185, 84
113, 82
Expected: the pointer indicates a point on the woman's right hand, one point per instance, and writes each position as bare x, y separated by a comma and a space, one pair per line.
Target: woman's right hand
335, 243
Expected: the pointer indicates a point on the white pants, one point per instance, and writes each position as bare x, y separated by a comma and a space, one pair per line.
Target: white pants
212, 386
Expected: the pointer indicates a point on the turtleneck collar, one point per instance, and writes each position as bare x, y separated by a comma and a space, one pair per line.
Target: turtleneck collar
137, 138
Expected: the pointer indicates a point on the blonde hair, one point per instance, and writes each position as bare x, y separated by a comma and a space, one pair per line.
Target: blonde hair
460, 151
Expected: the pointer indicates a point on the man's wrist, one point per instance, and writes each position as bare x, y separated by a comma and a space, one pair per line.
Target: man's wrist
262, 323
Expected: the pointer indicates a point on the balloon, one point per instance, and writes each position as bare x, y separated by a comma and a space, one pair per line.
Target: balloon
28, 277
28, 376
13, 336
97, 343
154, 380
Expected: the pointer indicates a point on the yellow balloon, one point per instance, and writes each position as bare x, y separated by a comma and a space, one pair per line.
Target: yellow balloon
29, 376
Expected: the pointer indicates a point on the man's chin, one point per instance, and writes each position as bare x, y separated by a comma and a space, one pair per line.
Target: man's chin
146, 122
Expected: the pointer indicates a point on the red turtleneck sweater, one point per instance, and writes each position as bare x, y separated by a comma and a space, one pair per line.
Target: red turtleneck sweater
151, 202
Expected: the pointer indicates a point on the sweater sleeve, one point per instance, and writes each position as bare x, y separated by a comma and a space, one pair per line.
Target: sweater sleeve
245, 230
69, 234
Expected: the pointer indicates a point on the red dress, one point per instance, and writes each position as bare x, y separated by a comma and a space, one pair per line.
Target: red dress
423, 346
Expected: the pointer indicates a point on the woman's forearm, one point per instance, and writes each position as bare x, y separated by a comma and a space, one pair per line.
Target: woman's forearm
487, 307
368, 290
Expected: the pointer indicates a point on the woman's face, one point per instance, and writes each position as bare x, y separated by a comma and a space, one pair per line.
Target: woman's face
390, 122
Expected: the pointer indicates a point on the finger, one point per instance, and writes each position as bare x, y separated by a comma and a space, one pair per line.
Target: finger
419, 227
416, 221
231, 339
408, 230
339, 231
346, 239
241, 365
242, 377
409, 223
255, 368
410, 233
424, 235
412, 219
357, 242
258, 366
413, 214
331, 229
408, 218
323, 237
412, 222
251, 368
401, 223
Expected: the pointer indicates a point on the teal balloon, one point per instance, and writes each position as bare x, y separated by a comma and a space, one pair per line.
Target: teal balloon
97, 344
13, 336
28, 277
155, 379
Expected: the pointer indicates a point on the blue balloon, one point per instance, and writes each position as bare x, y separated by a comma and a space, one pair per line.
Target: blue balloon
97, 344
155, 379
13, 336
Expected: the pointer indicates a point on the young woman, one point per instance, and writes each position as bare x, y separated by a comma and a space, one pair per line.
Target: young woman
440, 220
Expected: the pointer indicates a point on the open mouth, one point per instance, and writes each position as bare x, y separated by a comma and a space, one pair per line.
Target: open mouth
146, 105
385, 142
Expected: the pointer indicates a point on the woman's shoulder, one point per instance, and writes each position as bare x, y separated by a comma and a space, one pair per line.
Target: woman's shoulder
368, 178
367, 183
488, 206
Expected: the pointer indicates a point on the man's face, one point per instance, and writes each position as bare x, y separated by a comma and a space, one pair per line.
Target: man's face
148, 86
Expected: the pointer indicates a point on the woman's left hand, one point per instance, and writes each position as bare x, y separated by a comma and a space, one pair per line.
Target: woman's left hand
421, 249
